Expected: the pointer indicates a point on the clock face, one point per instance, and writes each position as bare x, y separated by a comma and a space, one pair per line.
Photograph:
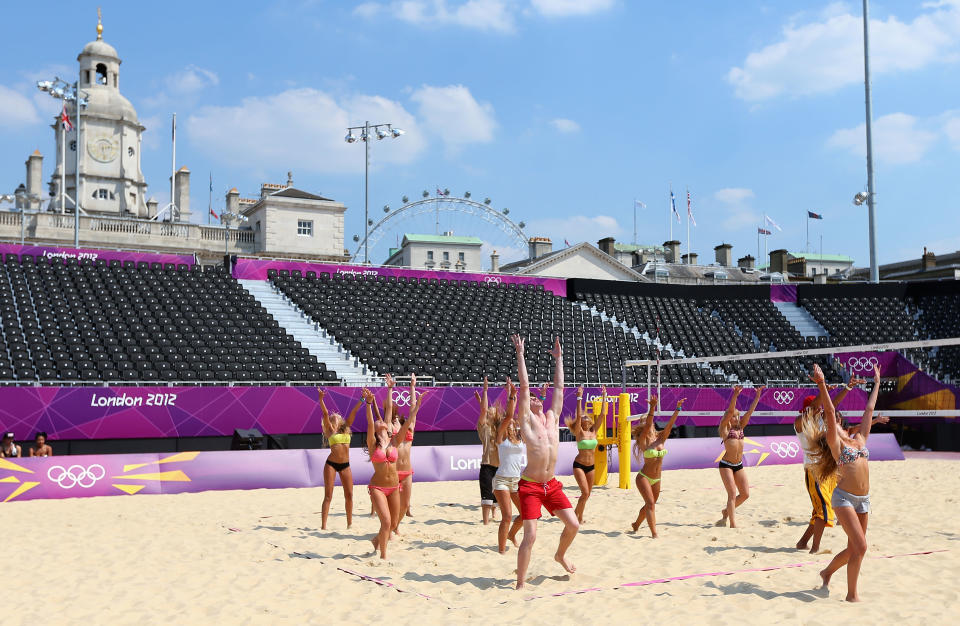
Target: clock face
103, 149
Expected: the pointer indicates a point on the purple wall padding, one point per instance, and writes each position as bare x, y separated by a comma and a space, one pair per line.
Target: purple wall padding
57, 478
147, 412
54, 252
783, 293
915, 388
256, 269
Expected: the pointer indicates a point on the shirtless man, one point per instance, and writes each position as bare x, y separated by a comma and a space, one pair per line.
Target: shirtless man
538, 488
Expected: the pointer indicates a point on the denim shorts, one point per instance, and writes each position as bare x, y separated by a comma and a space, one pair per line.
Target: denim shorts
860, 504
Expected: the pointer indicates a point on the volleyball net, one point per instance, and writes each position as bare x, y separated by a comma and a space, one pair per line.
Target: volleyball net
860, 363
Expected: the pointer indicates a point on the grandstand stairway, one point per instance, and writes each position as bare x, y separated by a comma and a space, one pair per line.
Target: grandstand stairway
309, 334
801, 319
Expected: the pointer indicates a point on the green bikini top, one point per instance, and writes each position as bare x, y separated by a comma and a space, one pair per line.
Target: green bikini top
587, 444
339, 438
653, 453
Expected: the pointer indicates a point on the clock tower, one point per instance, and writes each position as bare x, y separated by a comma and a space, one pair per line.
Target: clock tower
111, 182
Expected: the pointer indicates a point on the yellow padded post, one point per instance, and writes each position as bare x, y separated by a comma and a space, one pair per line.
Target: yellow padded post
600, 458
623, 443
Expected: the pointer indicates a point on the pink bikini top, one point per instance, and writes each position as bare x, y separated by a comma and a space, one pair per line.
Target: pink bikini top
735, 433
409, 436
379, 456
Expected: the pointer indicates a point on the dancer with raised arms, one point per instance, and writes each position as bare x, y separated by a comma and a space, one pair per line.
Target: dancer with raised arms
651, 446
337, 432
819, 492
538, 486
404, 446
585, 430
506, 482
487, 423
836, 452
732, 474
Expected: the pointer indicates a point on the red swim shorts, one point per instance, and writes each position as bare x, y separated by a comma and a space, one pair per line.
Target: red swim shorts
535, 495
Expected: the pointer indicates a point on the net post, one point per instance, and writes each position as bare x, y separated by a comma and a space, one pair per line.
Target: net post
623, 443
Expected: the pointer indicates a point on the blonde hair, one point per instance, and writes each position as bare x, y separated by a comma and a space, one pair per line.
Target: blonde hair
824, 465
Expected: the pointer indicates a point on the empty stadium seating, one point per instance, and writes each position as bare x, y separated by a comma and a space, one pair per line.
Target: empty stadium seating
938, 318
140, 322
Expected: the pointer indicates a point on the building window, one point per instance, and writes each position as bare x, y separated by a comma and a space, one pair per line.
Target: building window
429, 255
86, 77
462, 256
102, 194
258, 226
446, 256
305, 228
101, 74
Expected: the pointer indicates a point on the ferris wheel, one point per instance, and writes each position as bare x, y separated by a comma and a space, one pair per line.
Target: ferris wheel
443, 213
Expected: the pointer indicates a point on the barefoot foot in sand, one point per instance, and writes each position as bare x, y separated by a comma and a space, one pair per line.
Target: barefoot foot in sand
825, 577
567, 565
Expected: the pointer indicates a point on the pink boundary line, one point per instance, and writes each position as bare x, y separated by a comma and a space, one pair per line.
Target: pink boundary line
654, 581
384, 583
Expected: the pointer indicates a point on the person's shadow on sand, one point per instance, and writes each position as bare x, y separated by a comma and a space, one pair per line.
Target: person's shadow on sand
742, 588
763, 549
479, 582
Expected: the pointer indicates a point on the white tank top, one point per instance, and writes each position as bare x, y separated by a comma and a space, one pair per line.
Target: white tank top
513, 458
805, 444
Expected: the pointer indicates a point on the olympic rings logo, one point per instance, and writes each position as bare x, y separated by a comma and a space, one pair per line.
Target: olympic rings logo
784, 450
492, 280
76, 475
862, 363
783, 397
401, 397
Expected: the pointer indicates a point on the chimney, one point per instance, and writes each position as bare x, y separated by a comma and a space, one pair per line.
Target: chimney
746, 262
494, 262
670, 250
724, 255
606, 246
540, 246
34, 176
289, 179
181, 191
690, 259
233, 201
151, 207
929, 260
778, 261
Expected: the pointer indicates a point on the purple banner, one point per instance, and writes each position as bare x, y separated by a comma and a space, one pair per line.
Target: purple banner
256, 269
160, 412
189, 472
915, 388
54, 252
783, 293
861, 363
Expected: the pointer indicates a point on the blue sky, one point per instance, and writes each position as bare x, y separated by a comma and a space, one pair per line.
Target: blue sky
562, 110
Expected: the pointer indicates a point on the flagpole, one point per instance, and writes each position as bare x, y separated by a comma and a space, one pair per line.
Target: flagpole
689, 258
210, 201
670, 214
821, 254
634, 221
63, 160
758, 247
173, 163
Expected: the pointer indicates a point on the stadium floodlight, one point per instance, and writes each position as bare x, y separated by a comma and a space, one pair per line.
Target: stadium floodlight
383, 131
350, 138
860, 198
44, 85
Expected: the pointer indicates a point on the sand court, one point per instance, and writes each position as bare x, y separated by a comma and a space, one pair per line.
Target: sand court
260, 557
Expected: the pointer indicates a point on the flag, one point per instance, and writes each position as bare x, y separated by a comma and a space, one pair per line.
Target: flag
689, 210
673, 206
769, 220
763, 231
814, 216
215, 216
439, 191
566, 243
65, 119
639, 205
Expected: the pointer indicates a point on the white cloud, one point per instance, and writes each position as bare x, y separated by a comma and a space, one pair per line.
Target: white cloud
952, 129
575, 228
454, 116
484, 15
737, 213
16, 109
301, 129
897, 139
191, 80
564, 125
565, 8
826, 54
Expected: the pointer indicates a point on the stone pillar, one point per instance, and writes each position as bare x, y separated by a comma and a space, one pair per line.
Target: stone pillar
34, 179
494, 262
746, 262
929, 260
540, 246
181, 192
606, 246
724, 255
151, 207
690, 259
778, 261
233, 201
671, 251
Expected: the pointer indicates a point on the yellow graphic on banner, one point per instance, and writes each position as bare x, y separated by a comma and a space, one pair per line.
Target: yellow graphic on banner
9, 479
27, 486
129, 489
171, 476
182, 456
13, 467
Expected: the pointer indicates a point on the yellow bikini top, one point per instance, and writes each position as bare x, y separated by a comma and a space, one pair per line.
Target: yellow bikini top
339, 438
653, 453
